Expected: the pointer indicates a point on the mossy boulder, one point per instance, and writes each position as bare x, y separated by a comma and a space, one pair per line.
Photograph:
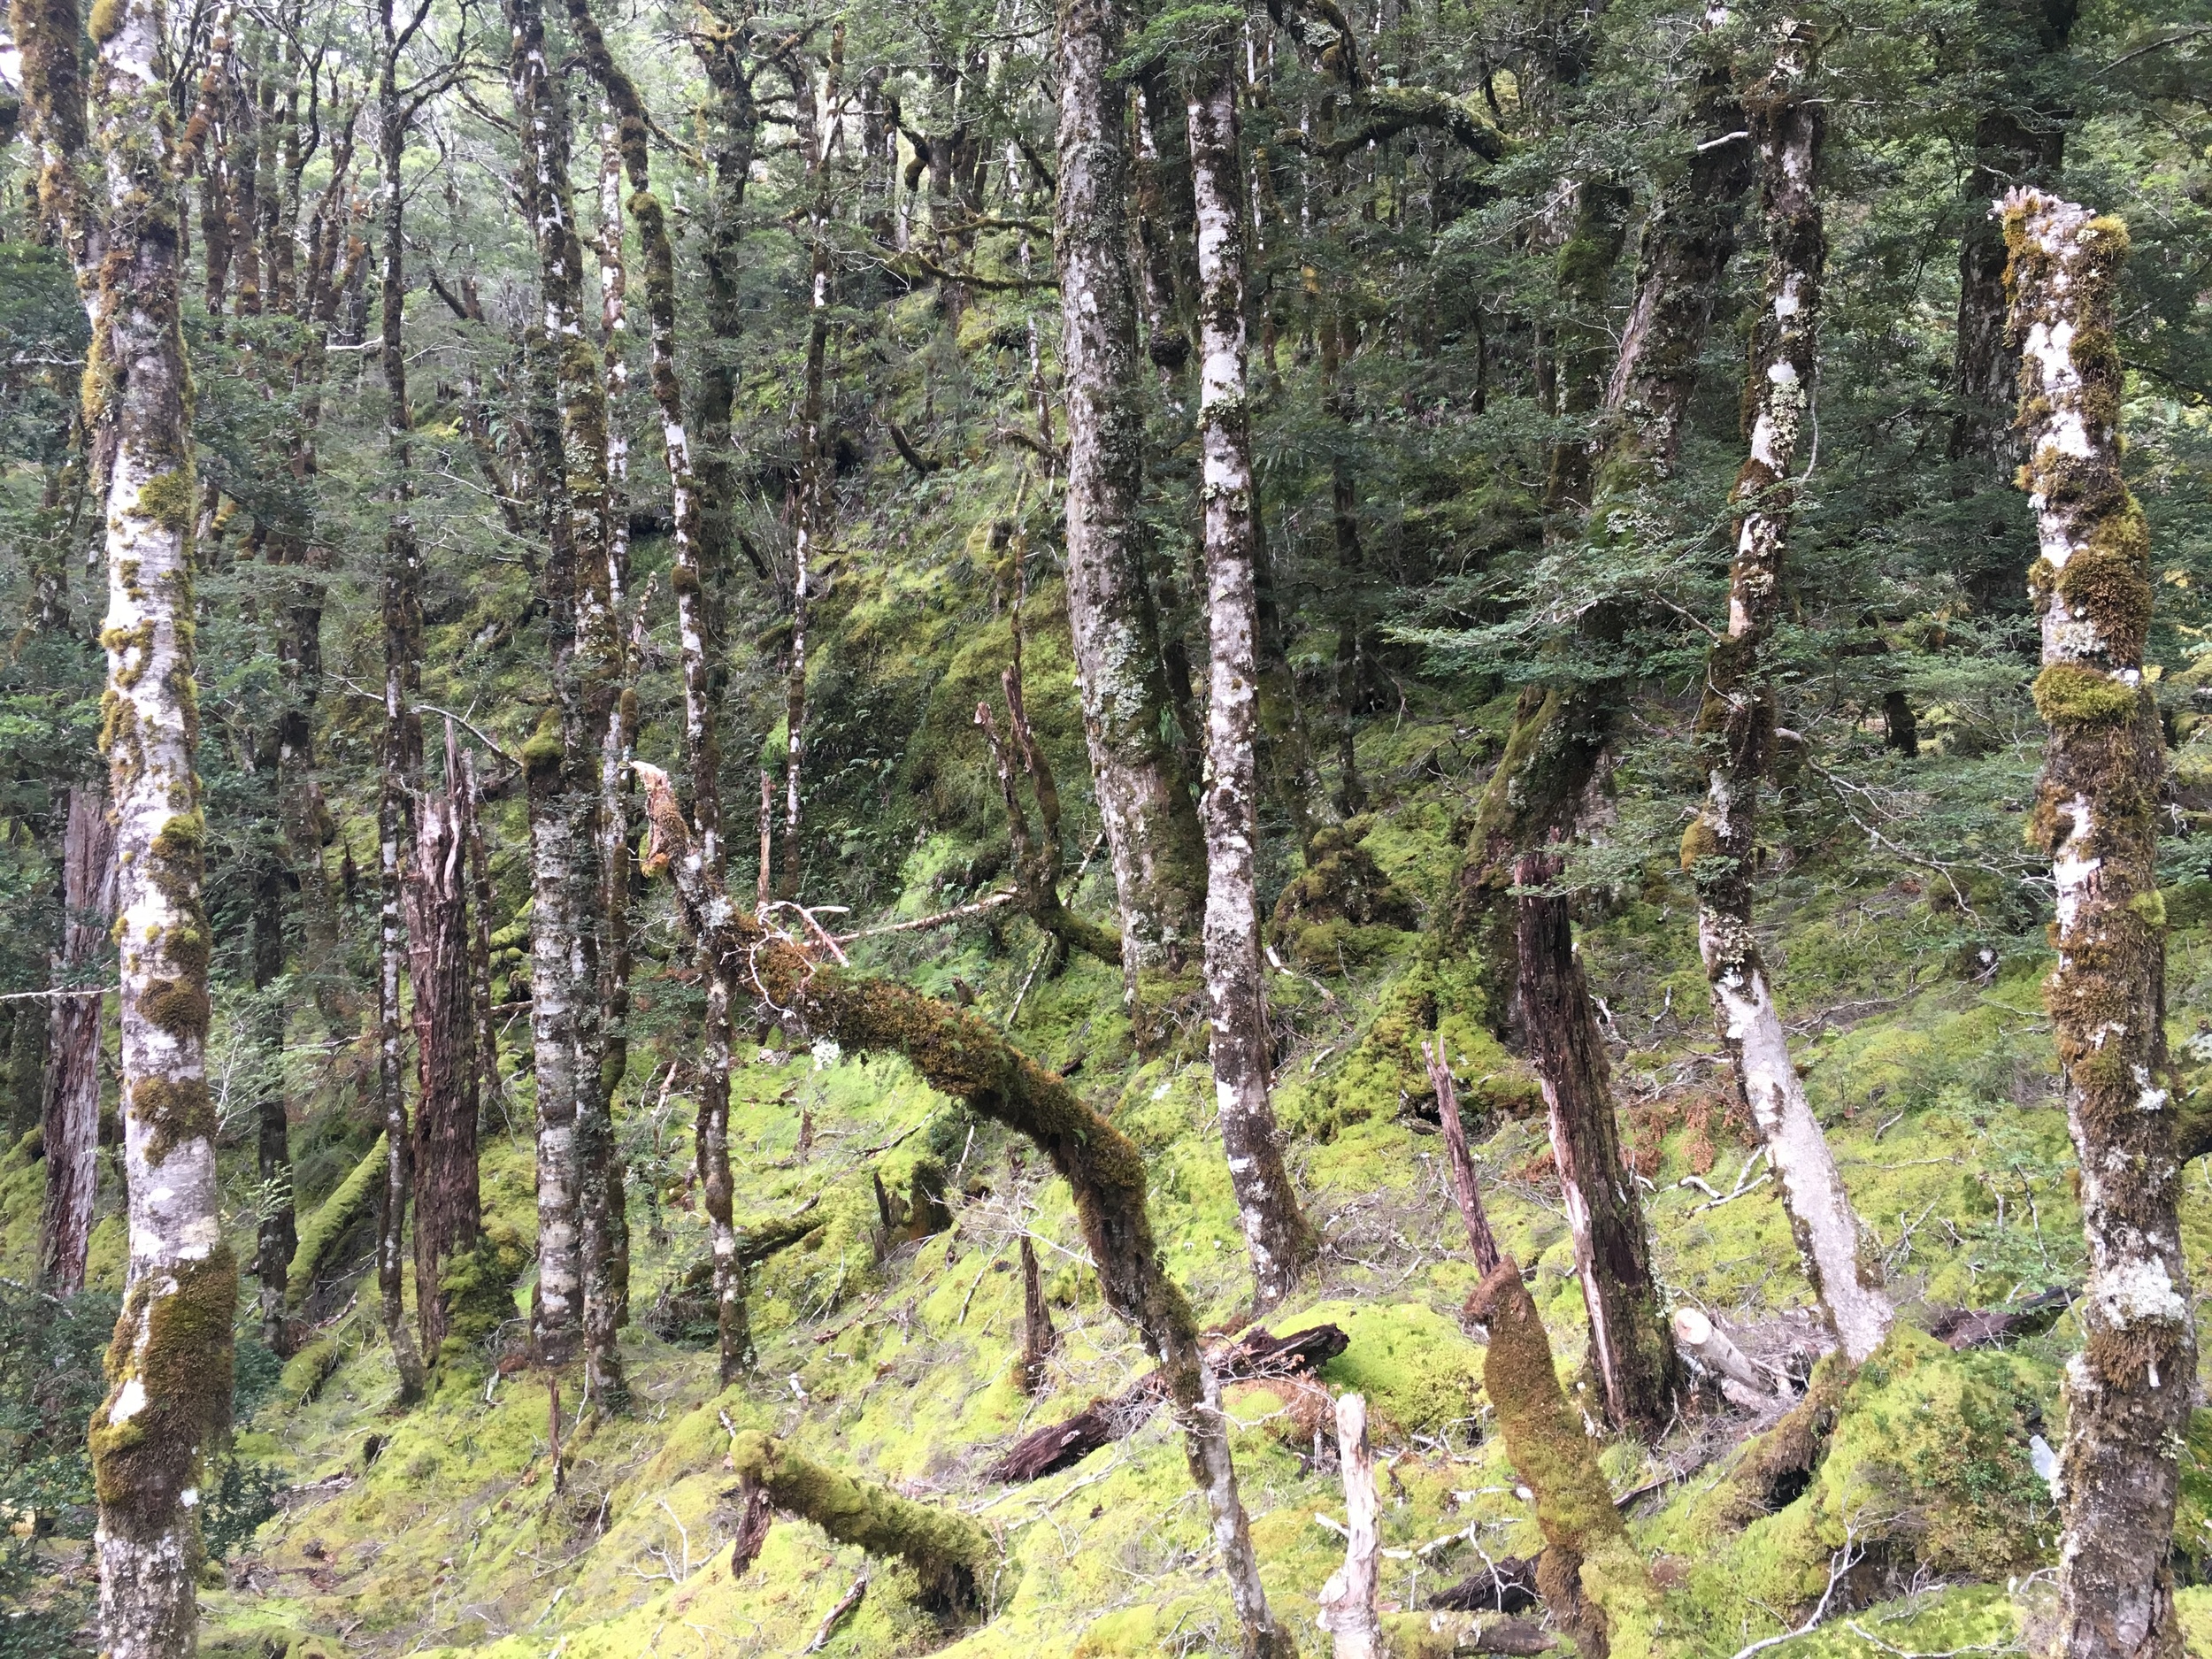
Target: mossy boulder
1343, 911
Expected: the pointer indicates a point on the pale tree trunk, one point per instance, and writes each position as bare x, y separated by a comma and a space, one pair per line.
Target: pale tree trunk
2128, 1391
70, 1113
446, 1202
960, 1054
1276, 1232
567, 923
402, 756
603, 1236
1481, 1242
169, 1367
1347, 1609
1720, 848
702, 746
1144, 798
813, 135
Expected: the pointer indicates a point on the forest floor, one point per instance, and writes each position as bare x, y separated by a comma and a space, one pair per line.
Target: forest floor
896, 1357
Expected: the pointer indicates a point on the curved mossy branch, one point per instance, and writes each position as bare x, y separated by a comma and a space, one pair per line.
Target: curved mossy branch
956, 1561
1590, 1575
334, 1218
1323, 29
959, 1054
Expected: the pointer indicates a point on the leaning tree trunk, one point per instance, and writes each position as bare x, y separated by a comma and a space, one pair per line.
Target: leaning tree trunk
1720, 848
960, 1054
562, 765
448, 1210
401, 757
70, 1114
2128, 1393
1144, 798
169, 1367
702, 748
1275, 1230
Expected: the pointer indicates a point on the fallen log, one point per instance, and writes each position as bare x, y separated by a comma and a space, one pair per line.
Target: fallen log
1985, 1327
1255, 1356
1506, 1584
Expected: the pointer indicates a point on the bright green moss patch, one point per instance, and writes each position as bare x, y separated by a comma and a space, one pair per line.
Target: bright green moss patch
1419, 1373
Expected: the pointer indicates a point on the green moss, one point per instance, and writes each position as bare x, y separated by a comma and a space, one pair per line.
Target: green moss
321, 1232
168, 498
953, 1557
1416, 1368
183, 1366
2069, 694
106, 17
174, 1110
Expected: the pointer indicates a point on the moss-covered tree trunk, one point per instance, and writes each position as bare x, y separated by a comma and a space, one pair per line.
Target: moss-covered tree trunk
447, 1207
1736, 723
169, 1366
960, 1054
1276, 1232
1590, 1575
567, 915
69, 1115
1144, 795
2128, 1393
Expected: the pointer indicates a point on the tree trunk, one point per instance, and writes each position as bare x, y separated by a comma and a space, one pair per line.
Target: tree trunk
277, 1232
169, 1367
1631, 1358
960, 1054
1276, 1232
1481, 1242
1591, 1576
604, 1234
70, 1110
401, 754
693, 579
447, 1206
722, 36
1347, 1609
1144, 798
490, 1090
1039, 1339
567, 926
1720, 848
2019, 140
2128, 1393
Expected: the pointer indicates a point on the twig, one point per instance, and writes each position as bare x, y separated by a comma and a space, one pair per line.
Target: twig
1838, 1564
837, 1615
958, 912
1864, 1634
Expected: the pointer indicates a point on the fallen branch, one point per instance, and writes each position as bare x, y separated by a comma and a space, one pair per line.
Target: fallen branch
1253, 1357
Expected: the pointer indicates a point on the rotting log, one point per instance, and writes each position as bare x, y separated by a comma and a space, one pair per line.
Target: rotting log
1255, 1356
332, 1219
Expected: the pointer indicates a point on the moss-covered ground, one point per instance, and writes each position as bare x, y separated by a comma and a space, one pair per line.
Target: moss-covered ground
895, 1358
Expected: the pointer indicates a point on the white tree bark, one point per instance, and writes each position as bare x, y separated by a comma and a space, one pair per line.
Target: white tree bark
2128, 1391
1720, 849
1347, 1601
169, 1368
1275, 1233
